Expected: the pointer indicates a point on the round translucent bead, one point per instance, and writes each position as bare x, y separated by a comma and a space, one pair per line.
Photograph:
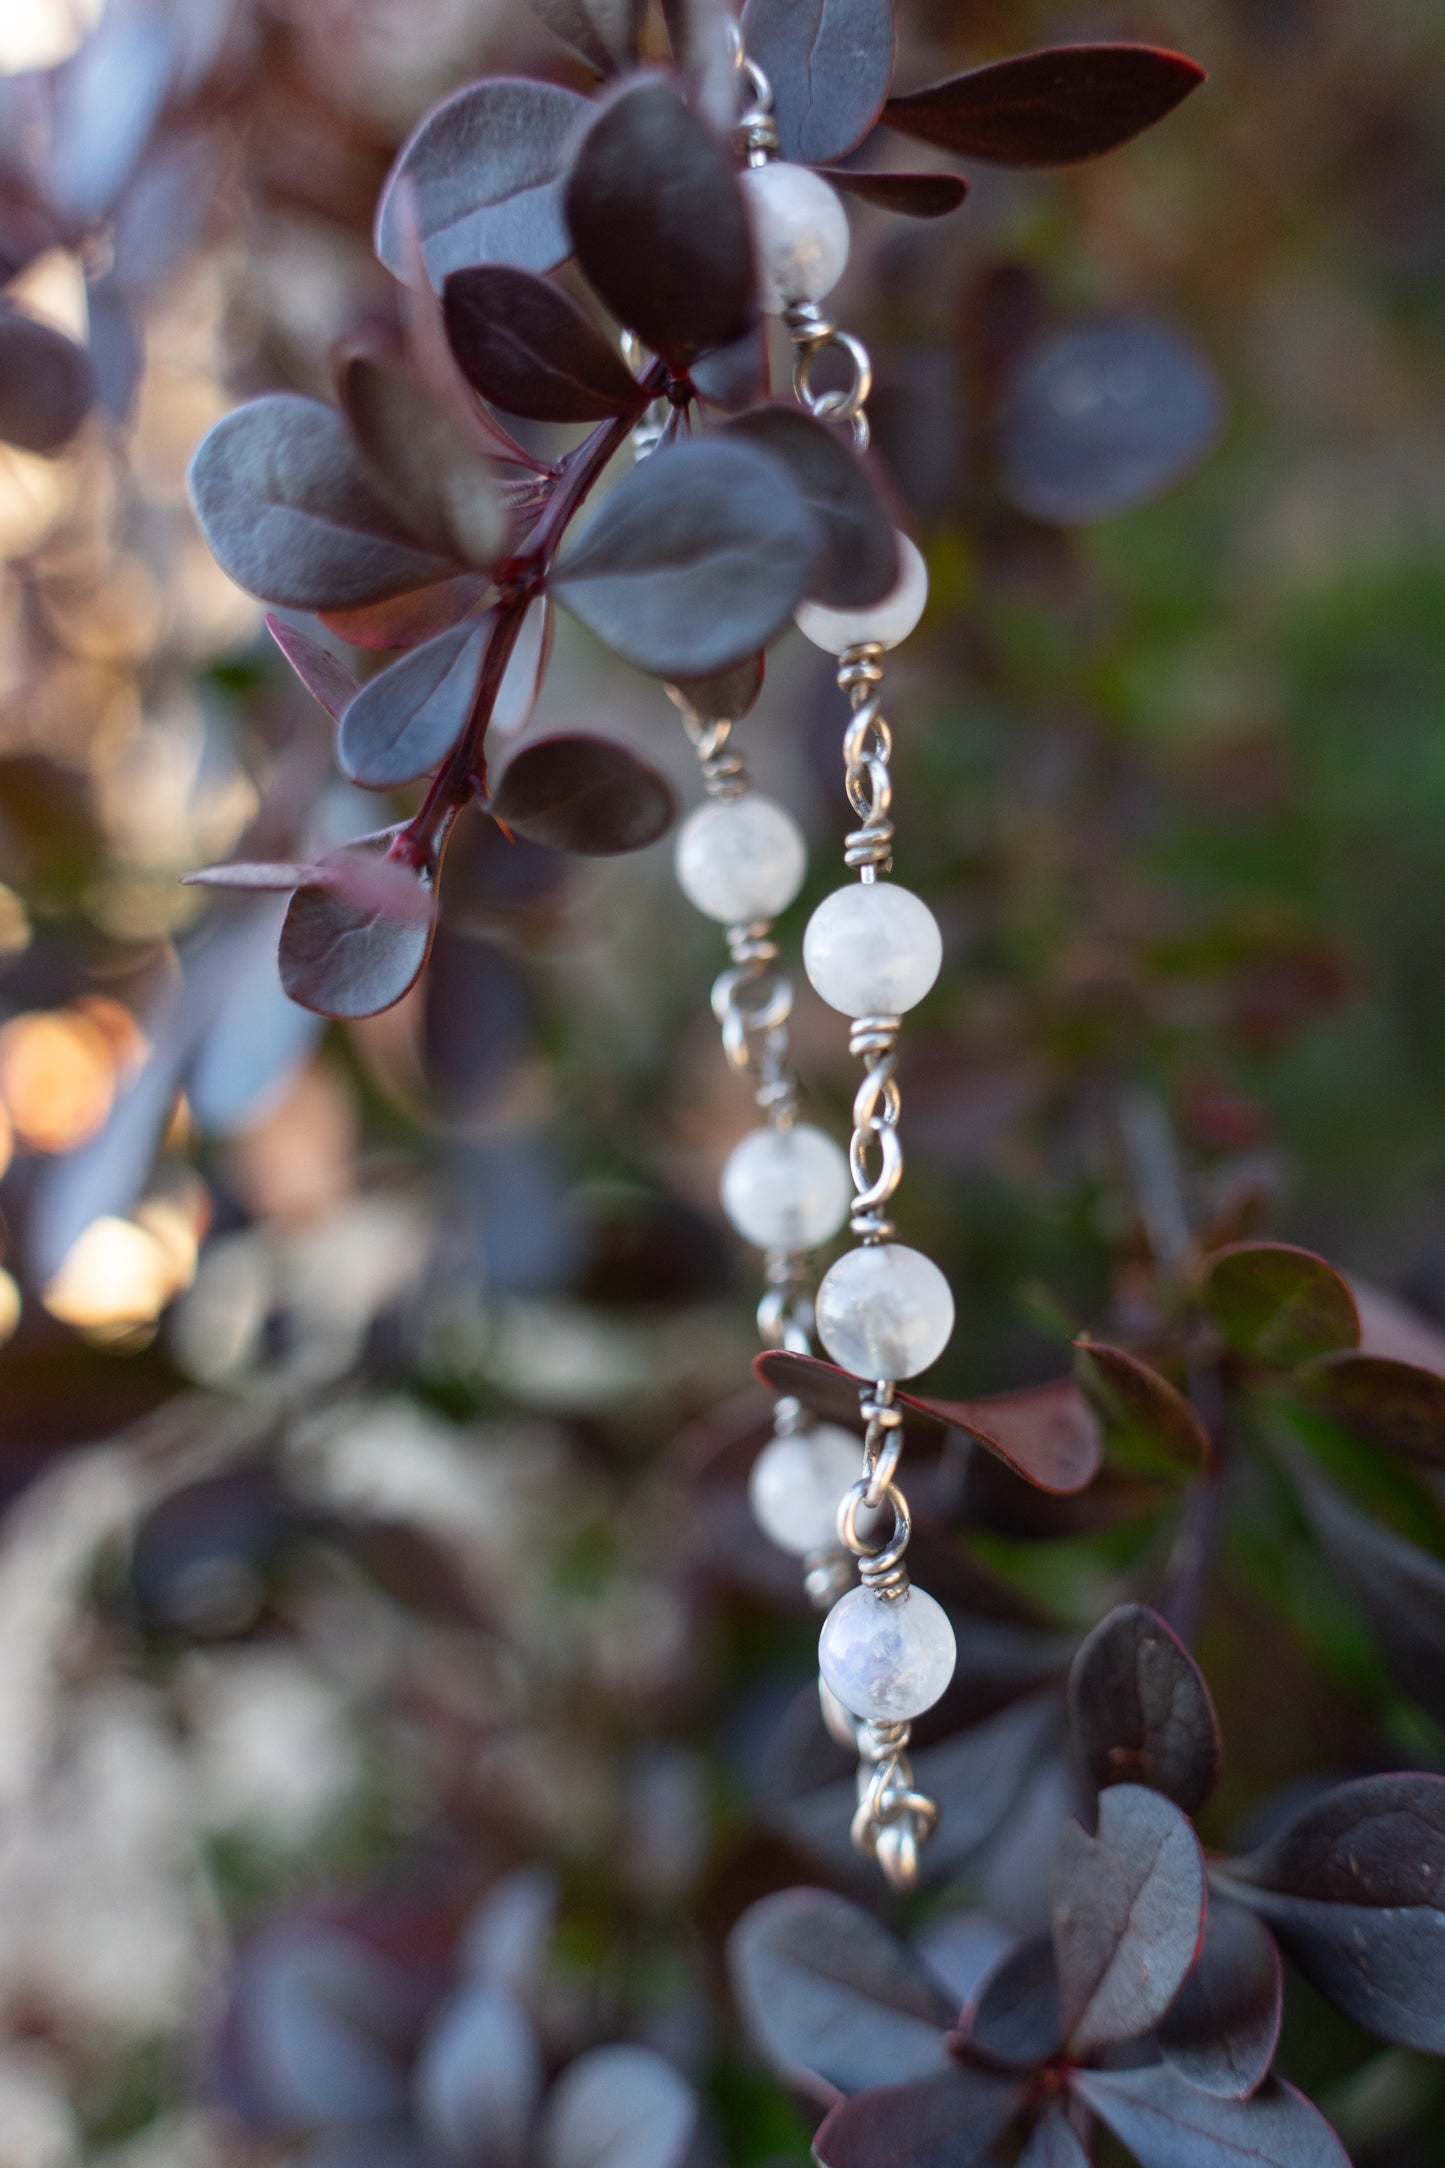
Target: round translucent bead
787, 1189
872, 949
889, 1659
884, 1311
742, 860
887, 622
797, 1484
800, 232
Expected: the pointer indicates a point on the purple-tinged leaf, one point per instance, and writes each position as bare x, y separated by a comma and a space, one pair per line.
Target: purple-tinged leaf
912, 195
108, 97
326, 679
1103, 418
700, 34
276, 879
426, 470
476, 1020
405, 721
1129, 1906
345, 959
1354, 1887
484, 170
525, 345
695, 560
658, 221
734, 377
318, 2019
478, 2077
1393, 1404
1140, 1710
1016, 2018
1149, 1426
726, 697
829, 63
1168, 2123
521, 685
1278, 1305
940, 2122
858, 564
1050, 108
827, 1992
618, 2107
290, 515
582, 794
1048, 1434
255, 1042
407, 620
1223, 2029
603, 32
1399, 1587
47, 385
1053, 2143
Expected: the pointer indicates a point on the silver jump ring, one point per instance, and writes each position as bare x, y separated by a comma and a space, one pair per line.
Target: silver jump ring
871, 1194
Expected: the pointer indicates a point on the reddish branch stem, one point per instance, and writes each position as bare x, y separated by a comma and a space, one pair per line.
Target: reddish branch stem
519, 580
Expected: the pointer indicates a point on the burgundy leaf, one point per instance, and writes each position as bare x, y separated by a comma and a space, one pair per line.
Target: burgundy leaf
405, 721
695, 560
829, 63
1149, 1426
858, 564
942, 2122
318, 669
1129, 1906
733, 377
1050, 108
1394, 1404
615, 2107
290, 514
657, 218
279, 879
1053, 2144
1399, 1587
406, 620
425, 468
524, 344
1278, 1305
1102, 418
1016, 2017
343, 959
1047, 1434
1354, 1887
1222, 2032
485, 173
727, 696
604, 32
912, 195
1168, 2123
47, 384
521, 685
586, 795
1140, 1710
826, 1991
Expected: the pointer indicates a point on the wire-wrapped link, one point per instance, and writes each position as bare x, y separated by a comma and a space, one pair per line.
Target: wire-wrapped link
876, 1109
867, 750
724, 770
814, 334
892, 1819
785, 1320
752, 1002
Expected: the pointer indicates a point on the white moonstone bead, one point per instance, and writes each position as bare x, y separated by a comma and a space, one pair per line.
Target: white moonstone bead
884, 1311
787, 1189
797, 1484
872, 949
800, 233
887, 622
741, 860
885, 1659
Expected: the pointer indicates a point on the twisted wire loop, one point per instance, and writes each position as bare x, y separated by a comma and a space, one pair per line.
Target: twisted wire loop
867, 751
876, 1110
893, 1820
814, 334
724, 770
